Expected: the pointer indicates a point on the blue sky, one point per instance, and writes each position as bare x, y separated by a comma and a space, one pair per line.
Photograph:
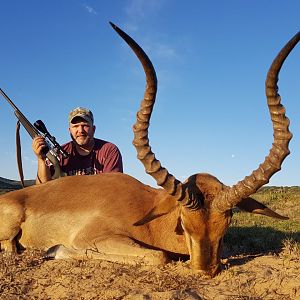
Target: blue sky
211, 60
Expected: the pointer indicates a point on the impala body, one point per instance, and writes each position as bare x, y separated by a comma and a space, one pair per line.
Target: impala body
100, 224
117, 218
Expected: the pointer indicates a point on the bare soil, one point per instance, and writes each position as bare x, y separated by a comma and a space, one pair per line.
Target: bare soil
28, 276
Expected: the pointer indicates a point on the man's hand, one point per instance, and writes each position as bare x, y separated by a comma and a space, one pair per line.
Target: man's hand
38, 144
43, 172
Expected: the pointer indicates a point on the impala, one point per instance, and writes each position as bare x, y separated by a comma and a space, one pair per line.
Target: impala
117, 218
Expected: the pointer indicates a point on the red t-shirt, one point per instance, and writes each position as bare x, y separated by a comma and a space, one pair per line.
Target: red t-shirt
104, 158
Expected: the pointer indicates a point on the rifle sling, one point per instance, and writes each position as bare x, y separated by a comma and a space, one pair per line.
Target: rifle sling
19, 154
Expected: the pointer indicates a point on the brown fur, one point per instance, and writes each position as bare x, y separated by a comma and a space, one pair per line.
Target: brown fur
93, 217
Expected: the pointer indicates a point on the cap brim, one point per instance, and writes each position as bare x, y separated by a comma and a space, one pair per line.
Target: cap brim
86, 118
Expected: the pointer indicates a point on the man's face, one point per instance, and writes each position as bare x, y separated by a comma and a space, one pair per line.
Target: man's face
82, 132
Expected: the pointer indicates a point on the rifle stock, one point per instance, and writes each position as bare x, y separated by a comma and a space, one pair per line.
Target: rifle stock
32, 131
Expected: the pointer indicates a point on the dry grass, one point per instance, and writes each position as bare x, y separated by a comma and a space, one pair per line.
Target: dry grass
258, 234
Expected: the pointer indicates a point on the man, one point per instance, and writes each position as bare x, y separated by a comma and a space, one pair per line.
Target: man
87, 155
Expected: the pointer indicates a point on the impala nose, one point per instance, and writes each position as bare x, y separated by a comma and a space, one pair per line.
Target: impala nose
210, 273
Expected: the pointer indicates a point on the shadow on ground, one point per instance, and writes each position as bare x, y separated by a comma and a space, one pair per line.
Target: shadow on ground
255, 240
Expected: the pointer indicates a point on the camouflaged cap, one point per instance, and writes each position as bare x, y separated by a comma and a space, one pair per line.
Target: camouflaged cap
82, 112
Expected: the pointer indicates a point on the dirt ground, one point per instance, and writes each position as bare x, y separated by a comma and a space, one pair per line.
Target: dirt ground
268, 276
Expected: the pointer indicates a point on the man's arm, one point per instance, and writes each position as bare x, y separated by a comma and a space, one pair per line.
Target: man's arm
43, 171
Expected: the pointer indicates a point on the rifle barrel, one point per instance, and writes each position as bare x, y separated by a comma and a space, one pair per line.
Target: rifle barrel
8, 100
17, 111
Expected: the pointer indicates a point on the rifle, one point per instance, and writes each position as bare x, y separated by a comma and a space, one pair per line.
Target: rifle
52, 152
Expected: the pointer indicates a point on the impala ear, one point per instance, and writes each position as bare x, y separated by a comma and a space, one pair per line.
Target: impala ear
250, 205
162, 208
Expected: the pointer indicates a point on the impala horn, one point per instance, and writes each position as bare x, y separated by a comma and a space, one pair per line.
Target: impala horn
228, 198
141, 141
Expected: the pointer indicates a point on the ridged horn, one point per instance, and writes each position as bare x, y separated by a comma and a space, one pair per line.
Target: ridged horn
141, 141
228, 198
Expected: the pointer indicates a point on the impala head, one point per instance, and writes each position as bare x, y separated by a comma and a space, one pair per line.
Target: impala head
205, 203
203, 226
